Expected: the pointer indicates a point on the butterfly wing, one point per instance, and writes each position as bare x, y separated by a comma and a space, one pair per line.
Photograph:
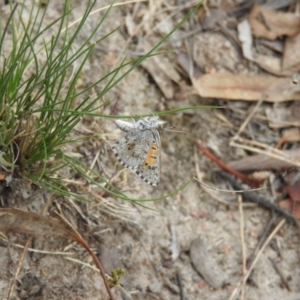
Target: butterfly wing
125, 125
149, 169
132, 149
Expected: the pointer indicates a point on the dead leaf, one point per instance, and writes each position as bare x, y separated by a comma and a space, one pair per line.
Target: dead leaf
262, 161
291, 206
272, 64
162, 80
130, 25
245, 37
289, 135
19, 221
291, 54
2, 176
280, 116
272, 24
294, 191
246, 87
276, 45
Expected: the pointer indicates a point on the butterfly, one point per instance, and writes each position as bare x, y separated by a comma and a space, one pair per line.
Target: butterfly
139, 148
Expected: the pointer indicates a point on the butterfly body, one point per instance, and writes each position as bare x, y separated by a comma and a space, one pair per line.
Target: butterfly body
139, 148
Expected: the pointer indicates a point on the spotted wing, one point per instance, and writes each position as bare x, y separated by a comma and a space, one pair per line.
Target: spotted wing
149, 169
132, 149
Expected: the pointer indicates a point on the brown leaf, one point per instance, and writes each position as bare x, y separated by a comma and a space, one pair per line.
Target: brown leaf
256, 162
289, 135
2, 176
19, 221
246, 87
272, 24
280, 116
291, 54
292, 206
272, 64
294, 191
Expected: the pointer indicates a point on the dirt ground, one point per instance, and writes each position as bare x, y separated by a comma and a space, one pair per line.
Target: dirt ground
159, 247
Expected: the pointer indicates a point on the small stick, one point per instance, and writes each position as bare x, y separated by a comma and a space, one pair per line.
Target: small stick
225, 167
179, 281
244, 279
262, 239
250, 197
279, 272
242, 243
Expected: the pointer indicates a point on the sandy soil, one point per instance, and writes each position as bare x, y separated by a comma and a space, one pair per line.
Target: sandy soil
153, 245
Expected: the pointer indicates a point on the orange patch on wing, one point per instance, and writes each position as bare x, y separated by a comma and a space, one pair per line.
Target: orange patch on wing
152, 152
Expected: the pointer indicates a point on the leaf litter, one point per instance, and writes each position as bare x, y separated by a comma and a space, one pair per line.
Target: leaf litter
218, 66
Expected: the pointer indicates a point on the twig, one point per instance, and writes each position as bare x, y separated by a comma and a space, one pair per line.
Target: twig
279, 272
250, 197
242, 242
179, 281
266, 150
210, 189
244, 279
262, 239
247, 120
225, 167
26, 246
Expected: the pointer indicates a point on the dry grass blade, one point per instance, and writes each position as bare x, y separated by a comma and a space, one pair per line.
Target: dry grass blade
256, 162
242, 224
18, 221
257, 147
244, 279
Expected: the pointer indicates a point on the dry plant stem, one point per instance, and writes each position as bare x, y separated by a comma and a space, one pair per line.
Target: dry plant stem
5, 243
225, 167
12, 286
247, 120
84, 244
250, 197
206, 188
236, 291
179, 282
262, 239
99, 265
279, 272
81, 263
228, 191
26, 246
242, 243
272, 152
210, 189
103, 8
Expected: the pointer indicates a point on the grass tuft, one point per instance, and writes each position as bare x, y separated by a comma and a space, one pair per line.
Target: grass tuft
40, 104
